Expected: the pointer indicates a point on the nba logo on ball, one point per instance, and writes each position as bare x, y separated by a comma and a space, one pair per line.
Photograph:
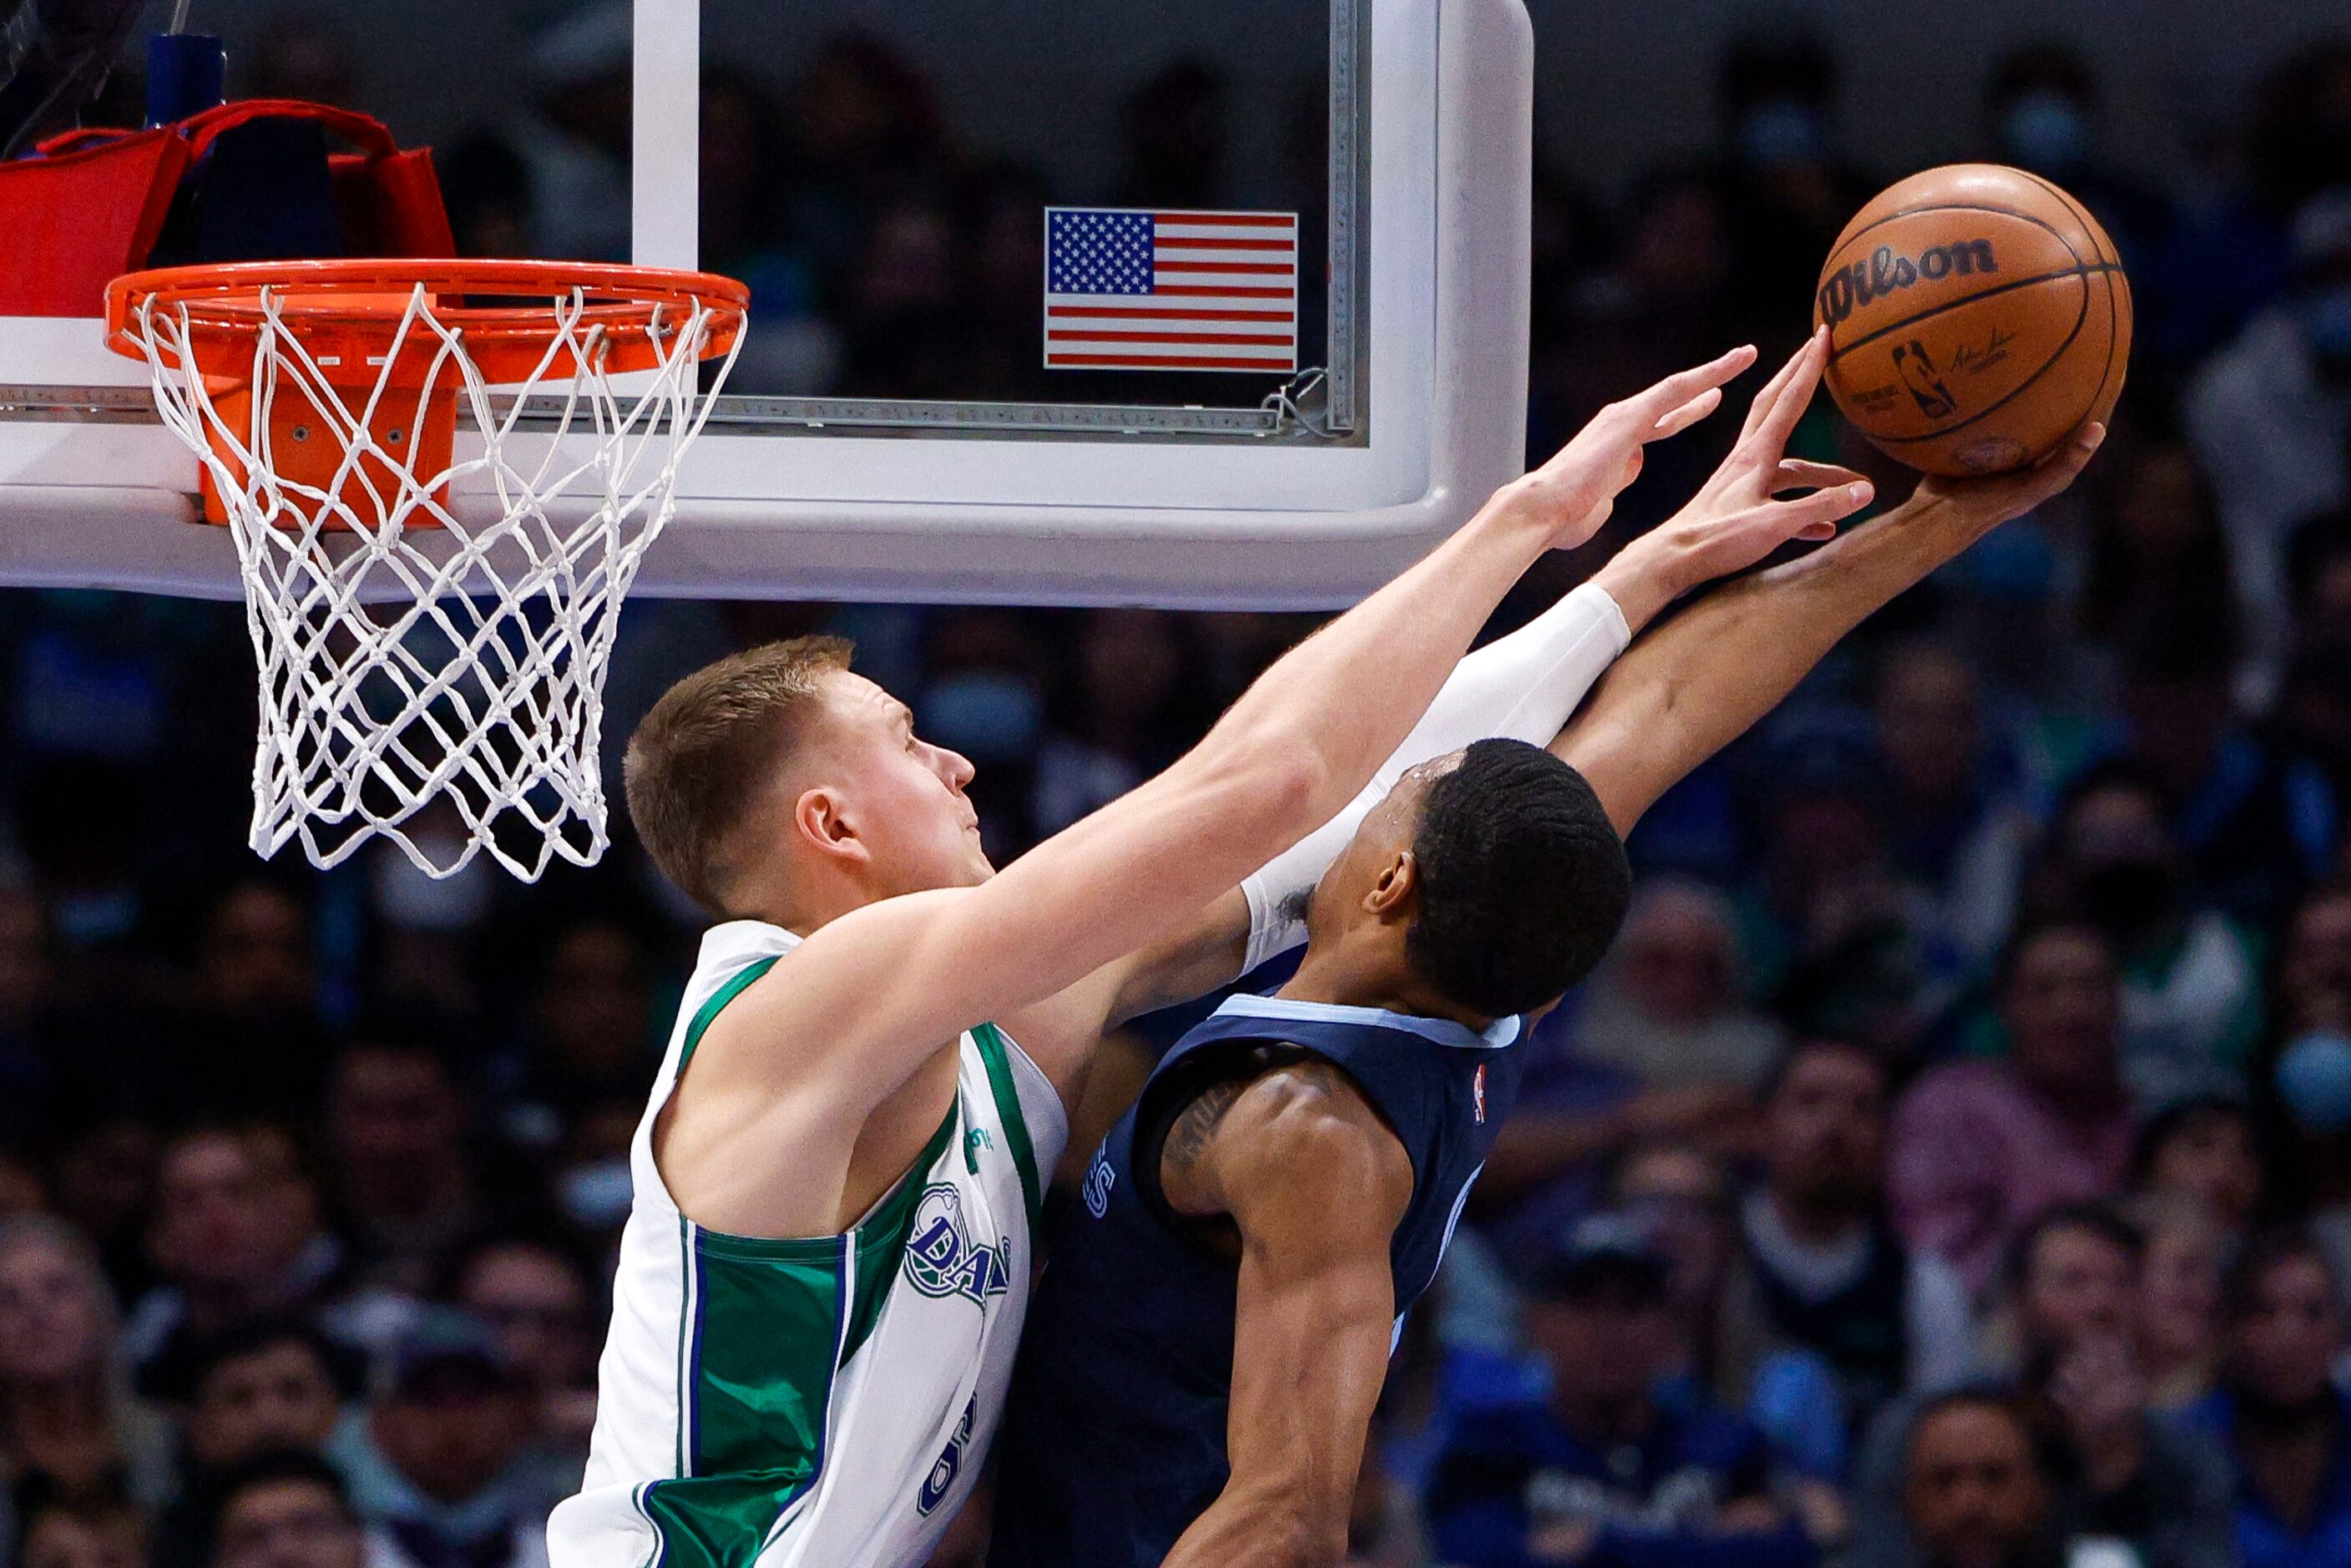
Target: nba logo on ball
1977, 316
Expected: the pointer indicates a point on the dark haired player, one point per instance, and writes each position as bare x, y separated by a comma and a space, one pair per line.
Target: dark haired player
1213, 1329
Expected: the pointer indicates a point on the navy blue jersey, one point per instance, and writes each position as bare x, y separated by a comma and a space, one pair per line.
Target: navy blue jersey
1113, 1439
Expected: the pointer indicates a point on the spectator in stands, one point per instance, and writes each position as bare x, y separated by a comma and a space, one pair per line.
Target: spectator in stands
99, 1529
2192, 989
66, 1415
2180, 1298
1657, 302
571, 131
2270, 415
441, 1465
536, 1300
1790, 191
2125, 1474
1578, 1121
1825, 1276
289, 1510
1845, 944
1606, 1472
592, 1034
2206, 1154
1176, 126
2314, 969
404, 1182
1976, 1491
248, 1043
263, 1387
235, 1236
2286, 1424
1131, 690
1667, 1006
1980, 1147
1960, 826
869, 130
1677, 1195
2158, 558
2043, 111
101, 1182
2255, 821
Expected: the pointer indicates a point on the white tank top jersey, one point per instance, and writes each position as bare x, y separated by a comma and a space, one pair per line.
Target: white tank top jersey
821, 1403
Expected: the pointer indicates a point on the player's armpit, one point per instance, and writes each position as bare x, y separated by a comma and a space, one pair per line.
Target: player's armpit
1063, 1032
1316, 1185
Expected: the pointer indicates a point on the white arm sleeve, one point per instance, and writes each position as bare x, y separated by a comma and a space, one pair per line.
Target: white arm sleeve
1520, 688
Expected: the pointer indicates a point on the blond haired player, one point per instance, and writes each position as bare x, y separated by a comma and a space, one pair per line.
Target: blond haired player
824, 1272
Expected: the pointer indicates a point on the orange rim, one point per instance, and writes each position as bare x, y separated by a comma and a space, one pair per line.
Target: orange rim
505, 313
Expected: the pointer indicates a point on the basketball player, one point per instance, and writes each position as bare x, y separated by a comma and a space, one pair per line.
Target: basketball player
824, 1272
1215, 1320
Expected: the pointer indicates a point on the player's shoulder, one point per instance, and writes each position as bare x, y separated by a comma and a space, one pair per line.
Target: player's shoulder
1303, 1124
1301, 1095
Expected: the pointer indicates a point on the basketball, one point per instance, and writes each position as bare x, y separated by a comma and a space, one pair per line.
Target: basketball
1977, 315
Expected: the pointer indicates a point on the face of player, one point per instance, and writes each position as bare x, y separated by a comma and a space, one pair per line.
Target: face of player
1376, 857
900, 795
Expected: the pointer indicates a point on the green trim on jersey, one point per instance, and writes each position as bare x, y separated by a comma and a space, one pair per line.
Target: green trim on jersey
882, 1237
766, 1324
718, 999
771, 1323
996, 1052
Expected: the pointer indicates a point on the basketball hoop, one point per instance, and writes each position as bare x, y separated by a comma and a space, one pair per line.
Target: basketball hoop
432, 619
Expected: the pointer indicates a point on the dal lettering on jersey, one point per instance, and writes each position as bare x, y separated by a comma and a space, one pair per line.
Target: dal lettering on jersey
941, 1260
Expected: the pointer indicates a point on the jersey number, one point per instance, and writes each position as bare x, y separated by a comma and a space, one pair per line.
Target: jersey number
942, 1478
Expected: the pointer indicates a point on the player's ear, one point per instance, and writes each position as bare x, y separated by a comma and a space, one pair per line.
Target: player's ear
1391, 891
821, 819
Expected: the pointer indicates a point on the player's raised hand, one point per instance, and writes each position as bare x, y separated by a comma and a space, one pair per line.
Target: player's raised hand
2006, 497
1574, 494
1738, 517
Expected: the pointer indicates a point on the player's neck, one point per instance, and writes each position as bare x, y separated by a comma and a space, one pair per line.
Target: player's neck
803, 904
1353, 974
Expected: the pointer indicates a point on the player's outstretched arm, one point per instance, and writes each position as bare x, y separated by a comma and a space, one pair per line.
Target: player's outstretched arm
1317, 1185
1695, 684
1522, 686
875, 991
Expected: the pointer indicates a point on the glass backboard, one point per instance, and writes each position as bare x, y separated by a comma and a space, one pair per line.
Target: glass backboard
1181, 302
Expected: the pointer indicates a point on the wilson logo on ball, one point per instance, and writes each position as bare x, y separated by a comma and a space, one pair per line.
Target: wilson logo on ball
1849, 288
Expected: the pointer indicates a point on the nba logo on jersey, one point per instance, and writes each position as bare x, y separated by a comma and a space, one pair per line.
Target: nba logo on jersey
1477, 1095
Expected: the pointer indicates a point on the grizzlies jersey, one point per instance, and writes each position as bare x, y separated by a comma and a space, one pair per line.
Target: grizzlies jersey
821, 1403
1115, 1440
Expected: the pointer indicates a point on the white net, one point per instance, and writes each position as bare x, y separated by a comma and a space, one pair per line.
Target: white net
425, 679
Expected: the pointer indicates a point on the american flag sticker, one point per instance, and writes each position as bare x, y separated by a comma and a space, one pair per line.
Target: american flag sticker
1135, 290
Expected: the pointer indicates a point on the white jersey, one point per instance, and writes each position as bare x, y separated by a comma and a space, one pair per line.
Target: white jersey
821, 1403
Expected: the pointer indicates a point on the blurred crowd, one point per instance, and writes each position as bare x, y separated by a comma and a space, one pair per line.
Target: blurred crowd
1950, 1168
